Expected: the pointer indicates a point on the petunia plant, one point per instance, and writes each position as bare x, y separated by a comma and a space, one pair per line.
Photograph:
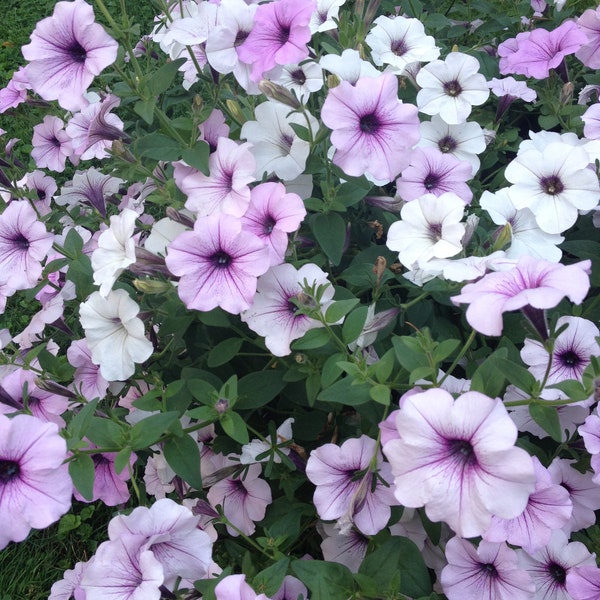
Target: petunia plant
307, 292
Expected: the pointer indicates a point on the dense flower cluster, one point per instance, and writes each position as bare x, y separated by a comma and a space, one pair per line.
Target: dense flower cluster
307, 291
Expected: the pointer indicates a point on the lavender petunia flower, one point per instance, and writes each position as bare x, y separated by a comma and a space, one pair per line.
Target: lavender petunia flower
51, 144
35, 487
373, 130
24, 243
583, 583
348, 548
88, 380
457, 458
348, 487
531, 283
279, 35
234, 587
66, 52
489, 572
589, 23
218, 263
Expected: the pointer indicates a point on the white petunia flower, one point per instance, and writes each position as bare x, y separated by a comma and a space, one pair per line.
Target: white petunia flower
323, 18
451, 87
114, 334
301, 79
115, 251
399, 42
349, 66
256, 447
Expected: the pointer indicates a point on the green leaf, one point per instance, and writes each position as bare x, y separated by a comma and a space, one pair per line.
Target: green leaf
330, 233
350, 194
325, 580
313, 338
162, 79
344, 392
202, 390
488, 378
145, 109
409, 353
105, 433
81, 470
149, 430
259, 388
330, 371
384, 366
269, 580
353, 324
547, 418
399, 555
223, 352
122, 459
204, 414
235, 427
79, 424
183, 456
82, 275
381, 394
197, 156
340, 309
517, 375
313, 386
73, 244
445, 349
159, 147
573, 388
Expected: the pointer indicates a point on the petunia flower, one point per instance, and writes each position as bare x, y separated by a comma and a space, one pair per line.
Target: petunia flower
583, 583
348, 487
218, 264
24, 243
35, 487
114, 334
234, 587
457, 459
348, 66
589, 23
87, 380
451, 87
51, 144
373, 131
279, 35
490, 571
274, 315
66, 52
348, 548
323, 17
531, 283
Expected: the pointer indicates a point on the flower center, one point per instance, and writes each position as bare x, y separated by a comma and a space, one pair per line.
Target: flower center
221, 259
284, 34
431, 181
21, 241
569, 358
298, 77
399, 47
9, 469
463, 451
240, 38
369, 123
557, 573
552, 185
77, 52
489, 570
99, 459
269, 224
435, 231
447, 144
452, 88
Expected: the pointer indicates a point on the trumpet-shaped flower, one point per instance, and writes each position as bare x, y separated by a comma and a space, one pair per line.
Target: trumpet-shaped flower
589, 23
35, 487
279, 35
218, 264
51, 144
66, 52
373, 131
536, 283
457, 458
114, 334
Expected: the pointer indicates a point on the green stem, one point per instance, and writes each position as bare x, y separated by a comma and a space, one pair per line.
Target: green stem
459, 356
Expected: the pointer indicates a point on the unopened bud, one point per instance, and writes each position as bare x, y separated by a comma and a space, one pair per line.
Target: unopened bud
119, 149
566, 93
222, 405
235, 111
379, 269
197, 103
279, 93
470, 226
54, 388
300, 358
502, 237
332, 81
151, 286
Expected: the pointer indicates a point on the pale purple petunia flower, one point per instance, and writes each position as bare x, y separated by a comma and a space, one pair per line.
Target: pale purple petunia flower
234, 587
225, 189
348, 488
66, 52
589, 23
540, 50
244, 497
15, 92
43, 187
373, 131
291, 589
531, 283
69, 586
573, 349
88, 380
550, 566
35, 487
457, 459
549, 508
583, 583
218, 263
274, 315
279, 35
273, 214
488, 572
123, 569
591, 122
349, 548
508, 89
434, 172
51, 144
170, 531
590, 432
24, 243
213, 128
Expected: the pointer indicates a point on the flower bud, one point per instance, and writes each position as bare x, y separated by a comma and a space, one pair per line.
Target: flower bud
279, 93
151, 286
235, 110
566, 93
